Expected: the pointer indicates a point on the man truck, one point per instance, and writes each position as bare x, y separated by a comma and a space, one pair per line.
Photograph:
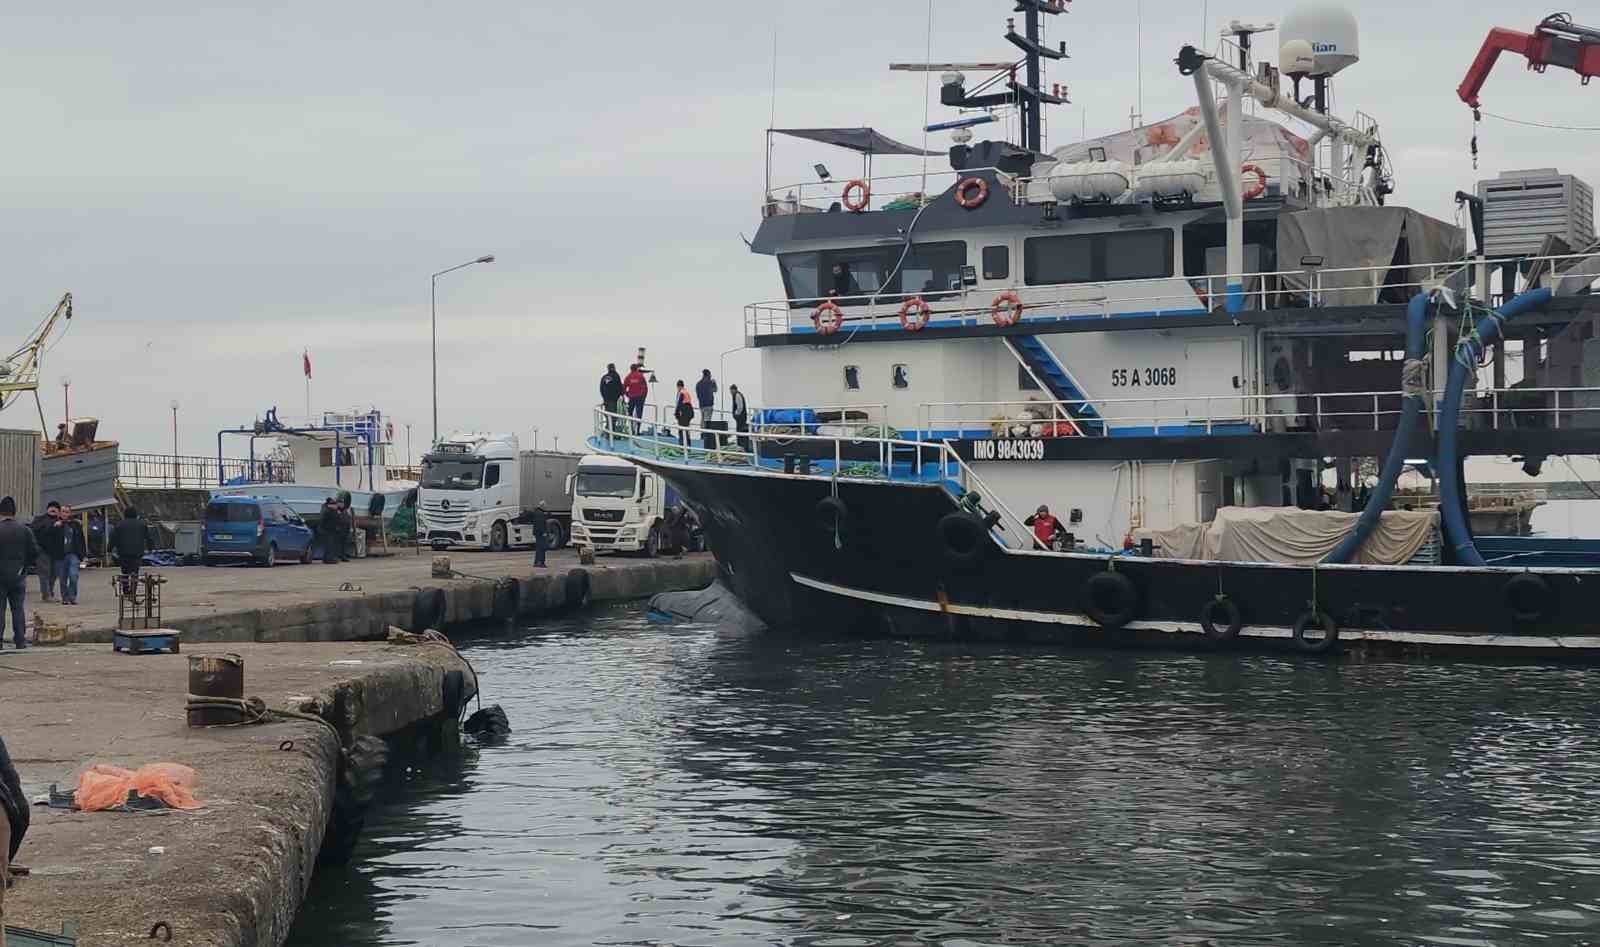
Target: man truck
478, 489
619, 507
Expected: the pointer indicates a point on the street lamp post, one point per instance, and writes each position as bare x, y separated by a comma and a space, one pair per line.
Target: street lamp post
433, 312
536, 439
175, 461
66, 400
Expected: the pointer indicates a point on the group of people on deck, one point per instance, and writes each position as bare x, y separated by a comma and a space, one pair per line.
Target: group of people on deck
634, 388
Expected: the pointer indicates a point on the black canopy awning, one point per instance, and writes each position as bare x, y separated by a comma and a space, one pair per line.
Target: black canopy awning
863, 140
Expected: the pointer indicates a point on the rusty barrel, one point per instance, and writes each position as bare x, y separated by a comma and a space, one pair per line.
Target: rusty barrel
215, 675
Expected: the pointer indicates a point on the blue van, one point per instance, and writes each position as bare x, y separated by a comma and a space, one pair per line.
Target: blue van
260, 529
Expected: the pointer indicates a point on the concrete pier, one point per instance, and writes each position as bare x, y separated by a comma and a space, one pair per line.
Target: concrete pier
234, 873
359, 600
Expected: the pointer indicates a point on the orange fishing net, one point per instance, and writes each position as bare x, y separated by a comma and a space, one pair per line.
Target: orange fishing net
106, 787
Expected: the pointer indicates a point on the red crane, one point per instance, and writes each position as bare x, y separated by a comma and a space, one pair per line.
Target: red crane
1556, 41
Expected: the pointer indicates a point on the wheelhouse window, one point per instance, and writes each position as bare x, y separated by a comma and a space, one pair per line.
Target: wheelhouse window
347, 457
852, 378
1096, 257
996, 262
852, 276
900, 376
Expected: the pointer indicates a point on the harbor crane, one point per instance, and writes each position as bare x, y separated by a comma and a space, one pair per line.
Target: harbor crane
1556, 41
19, 371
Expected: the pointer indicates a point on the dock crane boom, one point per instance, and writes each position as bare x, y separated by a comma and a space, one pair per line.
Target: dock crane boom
19, 371
1556, 41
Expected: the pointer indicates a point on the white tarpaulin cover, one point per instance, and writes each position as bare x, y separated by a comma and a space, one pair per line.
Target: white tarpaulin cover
1350, 237
1290, 535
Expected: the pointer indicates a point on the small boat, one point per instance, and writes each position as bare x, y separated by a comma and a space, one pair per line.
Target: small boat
306, 464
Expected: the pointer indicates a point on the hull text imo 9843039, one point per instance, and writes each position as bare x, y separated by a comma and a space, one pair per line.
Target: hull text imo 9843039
1200, 381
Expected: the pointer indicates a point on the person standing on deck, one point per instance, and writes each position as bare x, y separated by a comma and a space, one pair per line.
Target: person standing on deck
636, 388
611, 393
128, 539
1045, 527
683, 413
74, 548
18, 547
741, 416
45, 563
705, 392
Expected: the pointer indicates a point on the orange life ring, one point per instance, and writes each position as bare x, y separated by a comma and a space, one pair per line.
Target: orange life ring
975, 200
1010, 314
1261, 181
914, 314
857, 206
830, 325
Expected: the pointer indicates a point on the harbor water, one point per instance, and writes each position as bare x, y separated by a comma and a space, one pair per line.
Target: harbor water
694, 785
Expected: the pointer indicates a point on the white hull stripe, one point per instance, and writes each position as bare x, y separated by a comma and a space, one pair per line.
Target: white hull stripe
1185, 627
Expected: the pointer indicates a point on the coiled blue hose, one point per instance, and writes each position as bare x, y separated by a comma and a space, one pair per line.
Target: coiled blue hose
1468, 351
1415, 388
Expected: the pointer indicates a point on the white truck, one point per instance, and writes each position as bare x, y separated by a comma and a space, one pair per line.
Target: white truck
618, 507
475, 487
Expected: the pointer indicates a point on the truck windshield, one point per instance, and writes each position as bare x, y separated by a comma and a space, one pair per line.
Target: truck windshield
452, 475
605, 483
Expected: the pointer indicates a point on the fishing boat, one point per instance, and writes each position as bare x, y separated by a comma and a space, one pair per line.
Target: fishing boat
1183, 340
305, 464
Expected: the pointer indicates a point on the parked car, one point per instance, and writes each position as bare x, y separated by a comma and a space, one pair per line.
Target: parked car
260, 529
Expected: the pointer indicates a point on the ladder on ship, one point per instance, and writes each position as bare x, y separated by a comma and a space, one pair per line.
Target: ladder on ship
1042, 364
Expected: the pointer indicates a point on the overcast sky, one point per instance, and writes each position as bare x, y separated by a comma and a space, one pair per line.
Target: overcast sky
223, 185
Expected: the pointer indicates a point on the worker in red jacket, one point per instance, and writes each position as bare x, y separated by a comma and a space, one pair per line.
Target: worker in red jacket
1045, 527
635, 388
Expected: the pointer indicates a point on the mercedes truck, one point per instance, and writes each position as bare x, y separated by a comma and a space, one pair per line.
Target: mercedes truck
477, 491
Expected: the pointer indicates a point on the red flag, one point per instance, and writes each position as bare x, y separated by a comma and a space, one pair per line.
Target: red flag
306, 355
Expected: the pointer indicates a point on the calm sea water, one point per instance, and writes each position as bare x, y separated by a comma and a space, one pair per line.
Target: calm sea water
690, 785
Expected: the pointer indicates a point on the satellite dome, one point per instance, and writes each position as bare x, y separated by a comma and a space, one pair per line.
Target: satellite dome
1296, 59
1329, 29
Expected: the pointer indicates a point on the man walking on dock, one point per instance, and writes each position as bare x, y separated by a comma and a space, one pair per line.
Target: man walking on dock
17, 549
43, 526
540, 521
74, 547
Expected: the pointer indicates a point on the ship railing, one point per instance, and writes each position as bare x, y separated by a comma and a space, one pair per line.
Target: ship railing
182, 470
884, 192
1495, 408
1305, 287
894, 458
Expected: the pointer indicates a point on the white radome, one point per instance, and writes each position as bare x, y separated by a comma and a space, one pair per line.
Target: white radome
1331, 31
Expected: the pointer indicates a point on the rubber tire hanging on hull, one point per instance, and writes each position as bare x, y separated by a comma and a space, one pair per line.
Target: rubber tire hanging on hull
833, 517
1111, 599
1229, 615
964, 537
1330, 632
427, 610
1528, 597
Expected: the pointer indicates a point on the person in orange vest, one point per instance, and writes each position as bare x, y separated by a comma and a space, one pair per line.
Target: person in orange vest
684, 412
1045, 527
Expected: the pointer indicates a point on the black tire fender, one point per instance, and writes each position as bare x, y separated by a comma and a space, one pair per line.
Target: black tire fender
833, 516
578, 589
1320, 619
427, 610
507, 598
964, 538
1220, 618
1528, 597
1111, 599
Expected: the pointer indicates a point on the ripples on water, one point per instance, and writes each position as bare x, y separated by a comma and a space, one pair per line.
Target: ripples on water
685, 785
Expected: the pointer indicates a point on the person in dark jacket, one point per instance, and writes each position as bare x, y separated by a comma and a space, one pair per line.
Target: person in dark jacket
347, 527
611, 393
328, 530
14, 817
128, 540
74, 549
49, 549
741, 416
705, 392
540, 520
18, 547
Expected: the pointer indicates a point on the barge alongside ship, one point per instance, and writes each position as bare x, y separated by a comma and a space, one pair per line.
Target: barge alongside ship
1141, 331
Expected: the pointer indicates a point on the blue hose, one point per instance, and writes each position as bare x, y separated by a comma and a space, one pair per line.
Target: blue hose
1411, 404
1468, 351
